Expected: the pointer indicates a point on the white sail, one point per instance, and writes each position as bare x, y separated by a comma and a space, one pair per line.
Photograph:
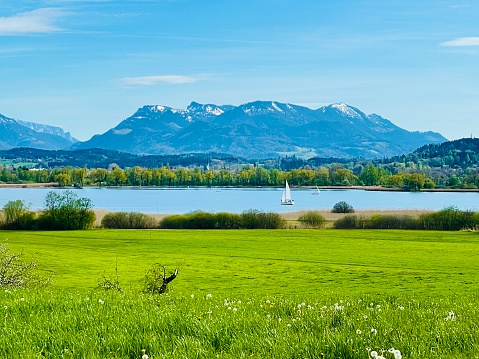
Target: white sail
286, 197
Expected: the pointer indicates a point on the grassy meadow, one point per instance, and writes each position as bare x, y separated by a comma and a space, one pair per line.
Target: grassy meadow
248, 293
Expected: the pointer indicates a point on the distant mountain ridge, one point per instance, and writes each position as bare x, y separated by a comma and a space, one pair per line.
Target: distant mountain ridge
17, 133
260, 129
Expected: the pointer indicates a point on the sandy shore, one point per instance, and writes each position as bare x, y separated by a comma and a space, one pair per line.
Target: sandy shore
28, 185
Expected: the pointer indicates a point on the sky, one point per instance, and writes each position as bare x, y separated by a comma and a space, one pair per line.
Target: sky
86, 65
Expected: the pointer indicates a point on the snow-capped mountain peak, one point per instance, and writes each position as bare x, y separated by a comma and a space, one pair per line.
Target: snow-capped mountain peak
346, 110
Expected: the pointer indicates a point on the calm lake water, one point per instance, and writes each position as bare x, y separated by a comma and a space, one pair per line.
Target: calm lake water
184, 200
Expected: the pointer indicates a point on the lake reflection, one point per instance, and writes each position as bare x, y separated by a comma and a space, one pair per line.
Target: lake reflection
184, 200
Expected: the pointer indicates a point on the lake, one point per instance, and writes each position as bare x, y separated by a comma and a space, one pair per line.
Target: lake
235, 200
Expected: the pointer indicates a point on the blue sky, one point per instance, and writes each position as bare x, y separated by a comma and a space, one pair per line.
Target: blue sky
87, 65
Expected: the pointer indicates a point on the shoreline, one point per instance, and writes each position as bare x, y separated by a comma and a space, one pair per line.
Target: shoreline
293, 216
359, 188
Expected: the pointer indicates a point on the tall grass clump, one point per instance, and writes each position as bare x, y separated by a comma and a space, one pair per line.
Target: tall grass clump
128, 220
312, 219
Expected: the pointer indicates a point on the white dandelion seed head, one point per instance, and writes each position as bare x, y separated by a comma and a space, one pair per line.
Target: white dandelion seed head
358, 331
101, 301
401, 307
374, 354
374, 330
208, 296
192, 296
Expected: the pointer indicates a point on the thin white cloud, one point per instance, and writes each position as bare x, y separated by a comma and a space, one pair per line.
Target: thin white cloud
462, 41
32, 22
155, 80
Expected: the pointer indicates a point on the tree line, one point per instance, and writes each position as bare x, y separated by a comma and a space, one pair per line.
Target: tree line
247, 176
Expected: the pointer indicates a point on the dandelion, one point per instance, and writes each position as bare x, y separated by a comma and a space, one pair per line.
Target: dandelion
374, 331
365, 316
268, 301
401, 307
101, 301
192, 296
22, 299
358, 331
144, 356
235, 309
208, 296
451, 316
374, 354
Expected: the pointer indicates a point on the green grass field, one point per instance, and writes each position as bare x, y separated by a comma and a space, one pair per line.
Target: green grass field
248, 293
267, 262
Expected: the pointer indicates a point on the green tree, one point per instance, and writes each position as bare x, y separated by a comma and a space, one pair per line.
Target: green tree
17, 215
65, 210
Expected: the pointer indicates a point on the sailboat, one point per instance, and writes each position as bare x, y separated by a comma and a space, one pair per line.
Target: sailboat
286, 198
316, 192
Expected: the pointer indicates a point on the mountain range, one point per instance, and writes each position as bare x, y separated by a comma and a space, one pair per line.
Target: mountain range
257, 129
18, 133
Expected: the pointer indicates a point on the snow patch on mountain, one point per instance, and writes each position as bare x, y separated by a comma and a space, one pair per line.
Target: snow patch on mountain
346, 110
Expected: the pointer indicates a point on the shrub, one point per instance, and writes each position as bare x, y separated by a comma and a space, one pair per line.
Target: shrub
226, 220
17, 215
312, 219
66, 211
176, 221
251, 219
449, 219
350, 221
387, 221
342, 207
254, 219
128, 220
17, 273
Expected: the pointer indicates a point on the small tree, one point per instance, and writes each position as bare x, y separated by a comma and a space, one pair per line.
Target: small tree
17, 215
65, 210
342, 207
